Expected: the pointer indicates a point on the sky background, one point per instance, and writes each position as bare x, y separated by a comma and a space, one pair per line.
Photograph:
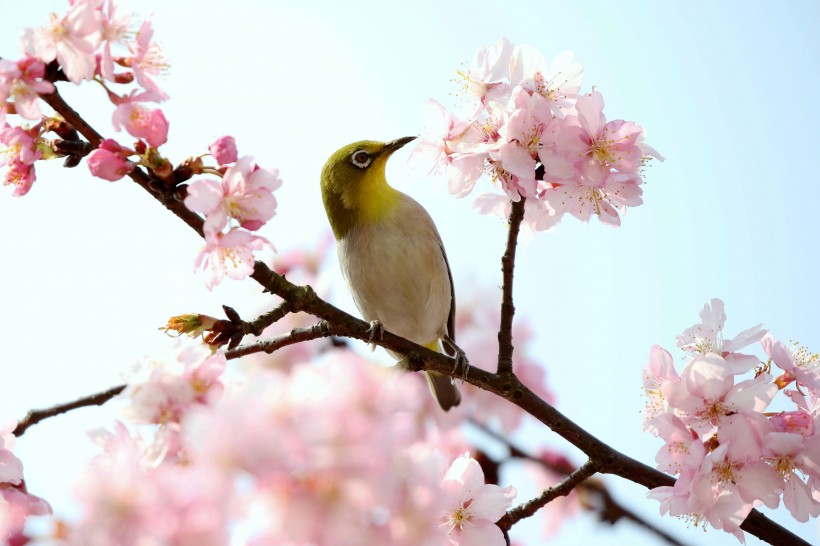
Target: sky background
726, 91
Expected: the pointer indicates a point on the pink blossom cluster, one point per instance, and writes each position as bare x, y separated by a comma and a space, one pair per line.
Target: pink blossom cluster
533, 132
240, 201
732, 451
16, 504
331, 453
92, 41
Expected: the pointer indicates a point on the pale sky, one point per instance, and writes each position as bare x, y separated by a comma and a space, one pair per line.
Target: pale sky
725, 91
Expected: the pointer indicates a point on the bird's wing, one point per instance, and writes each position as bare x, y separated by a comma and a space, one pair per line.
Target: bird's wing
451, 319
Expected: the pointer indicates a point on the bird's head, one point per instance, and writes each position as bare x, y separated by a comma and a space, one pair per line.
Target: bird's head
354, 186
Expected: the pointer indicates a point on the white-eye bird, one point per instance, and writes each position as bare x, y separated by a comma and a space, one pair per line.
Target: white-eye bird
391, 254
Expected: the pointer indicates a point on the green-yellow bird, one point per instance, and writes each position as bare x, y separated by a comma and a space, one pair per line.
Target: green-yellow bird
391, 254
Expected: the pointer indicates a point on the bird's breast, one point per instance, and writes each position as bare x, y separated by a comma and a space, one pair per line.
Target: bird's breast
397, 272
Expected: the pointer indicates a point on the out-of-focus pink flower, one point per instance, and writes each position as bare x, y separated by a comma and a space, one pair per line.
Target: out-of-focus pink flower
167, 393
71, 40
229, 254
128, 499
145, 123
244, 193
552, 469
473, 507
375, 480
109, 161
22, 81
475, 316
16, 503
223, 149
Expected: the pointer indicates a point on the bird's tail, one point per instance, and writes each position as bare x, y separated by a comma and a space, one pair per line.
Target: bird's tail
442, 386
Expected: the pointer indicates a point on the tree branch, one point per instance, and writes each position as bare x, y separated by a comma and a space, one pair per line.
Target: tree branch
607, 508
319, 330
561, 490
35, 416
506, 385
505, 346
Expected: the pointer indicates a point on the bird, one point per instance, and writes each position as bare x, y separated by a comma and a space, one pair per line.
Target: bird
391, 255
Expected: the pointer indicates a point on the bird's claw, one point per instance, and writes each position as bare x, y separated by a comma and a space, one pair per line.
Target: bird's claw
460, 357
375, 332
461, 362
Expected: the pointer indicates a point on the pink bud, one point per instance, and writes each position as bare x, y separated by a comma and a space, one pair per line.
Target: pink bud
224, 150
109, 161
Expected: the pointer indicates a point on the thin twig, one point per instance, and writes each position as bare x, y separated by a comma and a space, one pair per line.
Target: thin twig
35, 416
256, 327
562, 489
505, 346
607, 508
319, 330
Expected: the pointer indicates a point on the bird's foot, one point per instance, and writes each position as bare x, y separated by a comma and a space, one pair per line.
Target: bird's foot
460, 358
375, 332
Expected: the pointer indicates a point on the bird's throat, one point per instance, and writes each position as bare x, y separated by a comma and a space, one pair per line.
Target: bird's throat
367, 201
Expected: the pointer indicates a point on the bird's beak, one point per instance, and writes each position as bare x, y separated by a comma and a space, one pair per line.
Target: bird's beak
394, 145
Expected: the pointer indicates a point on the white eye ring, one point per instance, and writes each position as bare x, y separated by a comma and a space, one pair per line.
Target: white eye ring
361, 159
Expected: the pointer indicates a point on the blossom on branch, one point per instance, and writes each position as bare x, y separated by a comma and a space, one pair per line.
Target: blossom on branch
18, 157
23, 82
537, 137
244, 193
145, 123
229, 254
71, 39
730, 451
473, 506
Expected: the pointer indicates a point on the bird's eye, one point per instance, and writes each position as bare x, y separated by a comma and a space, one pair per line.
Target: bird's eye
361, 159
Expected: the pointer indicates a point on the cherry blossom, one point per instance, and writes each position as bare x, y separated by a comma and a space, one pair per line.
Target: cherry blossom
730, 454
16, 503
798, 363
489, 67
146, 123
19, 156
116, 30
23, 82
147, 60
558, 83
229, 254
244, 193
473, 506
534, 136
707, 337
71, 40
